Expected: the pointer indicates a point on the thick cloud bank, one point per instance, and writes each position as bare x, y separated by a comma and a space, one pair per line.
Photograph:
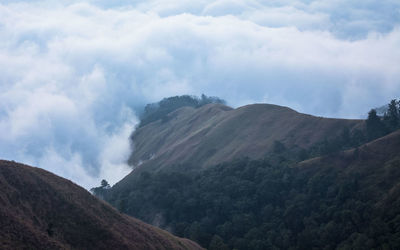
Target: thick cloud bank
72, 73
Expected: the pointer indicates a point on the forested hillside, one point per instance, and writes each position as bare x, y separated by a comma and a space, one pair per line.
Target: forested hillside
341, 192
347, 200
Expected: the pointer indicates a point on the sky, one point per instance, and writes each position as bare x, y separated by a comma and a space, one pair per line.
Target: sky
74, 74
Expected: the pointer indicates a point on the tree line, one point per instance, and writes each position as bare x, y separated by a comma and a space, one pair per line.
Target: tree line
156, 111
260, 204
375, 127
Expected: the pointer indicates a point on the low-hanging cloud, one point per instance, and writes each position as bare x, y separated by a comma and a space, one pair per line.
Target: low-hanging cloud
73, 73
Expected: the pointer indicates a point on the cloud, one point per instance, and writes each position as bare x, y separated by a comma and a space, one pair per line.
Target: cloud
72, 74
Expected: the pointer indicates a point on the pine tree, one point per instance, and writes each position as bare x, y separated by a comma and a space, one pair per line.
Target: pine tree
375, 127
392, 115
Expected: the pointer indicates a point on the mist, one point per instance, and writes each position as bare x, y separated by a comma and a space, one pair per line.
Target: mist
74, 74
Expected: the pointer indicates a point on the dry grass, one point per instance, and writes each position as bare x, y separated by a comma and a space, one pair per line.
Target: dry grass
216, 133
40, 210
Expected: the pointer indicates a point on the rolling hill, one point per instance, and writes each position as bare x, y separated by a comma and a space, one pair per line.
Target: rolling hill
234, 179
40, 210
196, 138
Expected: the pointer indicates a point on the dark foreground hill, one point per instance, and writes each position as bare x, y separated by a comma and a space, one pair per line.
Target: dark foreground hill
39, 210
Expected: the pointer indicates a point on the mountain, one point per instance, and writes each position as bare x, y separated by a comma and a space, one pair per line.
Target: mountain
40, 210
345, 200
214, 133
266, 177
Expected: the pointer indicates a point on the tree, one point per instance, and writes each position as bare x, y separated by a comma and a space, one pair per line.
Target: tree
217, 243
392, 115
101, 190
104, 184
375, 127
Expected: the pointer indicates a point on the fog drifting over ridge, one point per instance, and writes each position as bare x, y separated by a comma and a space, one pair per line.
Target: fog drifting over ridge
72, 73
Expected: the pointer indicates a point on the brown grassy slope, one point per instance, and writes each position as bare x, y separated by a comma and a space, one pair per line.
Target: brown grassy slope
216, 133
39, 210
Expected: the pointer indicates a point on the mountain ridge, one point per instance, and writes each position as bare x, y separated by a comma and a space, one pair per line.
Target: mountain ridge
216, 133
264, 176
343, 200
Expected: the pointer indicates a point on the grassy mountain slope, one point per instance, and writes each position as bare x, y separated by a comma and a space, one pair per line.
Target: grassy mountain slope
271, 178
216, 133
40, 210
345, 200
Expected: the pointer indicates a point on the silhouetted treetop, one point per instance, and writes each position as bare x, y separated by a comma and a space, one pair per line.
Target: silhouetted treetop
379, 126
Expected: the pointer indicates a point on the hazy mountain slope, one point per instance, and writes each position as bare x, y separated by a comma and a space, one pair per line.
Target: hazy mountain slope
215, 133
40, 210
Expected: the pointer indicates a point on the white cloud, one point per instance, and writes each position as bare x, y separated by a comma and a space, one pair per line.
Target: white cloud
71, 72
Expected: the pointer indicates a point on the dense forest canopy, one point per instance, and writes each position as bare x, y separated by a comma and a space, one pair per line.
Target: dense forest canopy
267, 204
